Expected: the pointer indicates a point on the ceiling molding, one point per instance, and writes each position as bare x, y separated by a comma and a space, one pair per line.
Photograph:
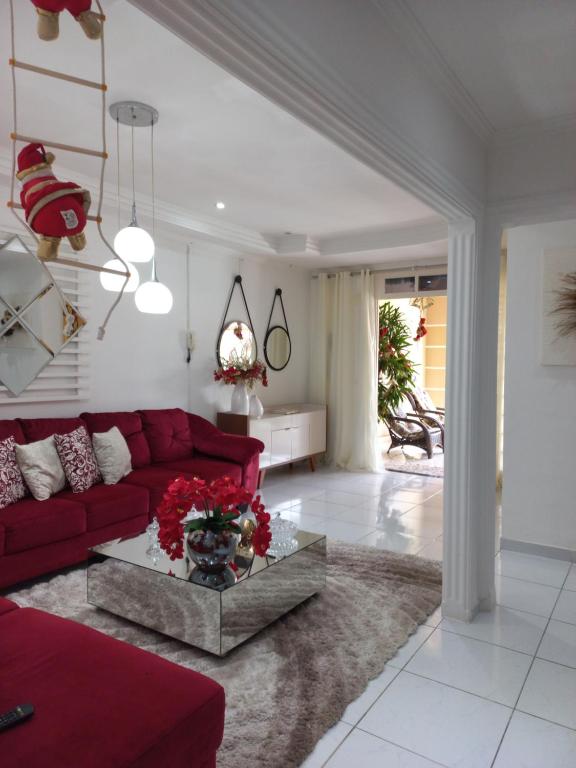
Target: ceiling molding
290, 244
534, 209
195, 227
423, 48
405, 234
558, 124
220, 238
243, 42
435, 65
418, 265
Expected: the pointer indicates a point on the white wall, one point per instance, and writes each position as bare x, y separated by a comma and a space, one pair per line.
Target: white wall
141, 363
211, 279
538, 502
532, 164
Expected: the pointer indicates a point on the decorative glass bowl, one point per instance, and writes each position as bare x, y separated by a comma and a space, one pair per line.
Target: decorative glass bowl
283, 537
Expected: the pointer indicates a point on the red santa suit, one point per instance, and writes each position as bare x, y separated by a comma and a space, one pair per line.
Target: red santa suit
75, 7
54, 209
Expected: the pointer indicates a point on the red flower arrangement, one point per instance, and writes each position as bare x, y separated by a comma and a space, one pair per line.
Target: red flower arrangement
249, 374
219, 501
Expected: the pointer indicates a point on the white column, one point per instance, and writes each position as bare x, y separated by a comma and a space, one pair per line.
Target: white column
470, 462
486, 433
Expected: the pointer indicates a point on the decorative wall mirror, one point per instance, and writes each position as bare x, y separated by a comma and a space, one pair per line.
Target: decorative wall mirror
236, 340
36, 319
277, 342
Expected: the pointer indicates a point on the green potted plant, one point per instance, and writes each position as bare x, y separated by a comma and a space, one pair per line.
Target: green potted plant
395, 370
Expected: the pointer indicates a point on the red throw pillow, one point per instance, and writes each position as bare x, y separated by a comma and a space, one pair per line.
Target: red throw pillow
78, 459
12, 486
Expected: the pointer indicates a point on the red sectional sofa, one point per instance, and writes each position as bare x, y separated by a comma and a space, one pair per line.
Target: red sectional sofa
37, 537
98, 701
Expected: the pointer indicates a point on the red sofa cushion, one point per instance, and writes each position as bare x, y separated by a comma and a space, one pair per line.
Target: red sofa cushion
130, 425
108, 504
168, 434
31, 523
159, 476
207, 468
101, 702
12, 428
155, 479
6, 605
40, 429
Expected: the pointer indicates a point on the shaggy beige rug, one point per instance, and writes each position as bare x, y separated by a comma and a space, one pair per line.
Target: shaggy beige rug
288, 685
396, 461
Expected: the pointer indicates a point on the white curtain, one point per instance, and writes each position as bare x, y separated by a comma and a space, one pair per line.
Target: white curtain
343, 365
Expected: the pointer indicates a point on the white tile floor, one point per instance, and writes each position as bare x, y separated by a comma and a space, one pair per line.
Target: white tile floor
498, 692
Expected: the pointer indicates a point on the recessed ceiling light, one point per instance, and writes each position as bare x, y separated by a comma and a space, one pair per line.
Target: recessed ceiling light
220, 205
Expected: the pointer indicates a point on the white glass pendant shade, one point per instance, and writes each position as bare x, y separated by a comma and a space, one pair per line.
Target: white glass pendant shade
134, 244
154, 298
114, 283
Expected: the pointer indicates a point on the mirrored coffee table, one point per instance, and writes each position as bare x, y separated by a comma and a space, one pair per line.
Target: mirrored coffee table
158, 593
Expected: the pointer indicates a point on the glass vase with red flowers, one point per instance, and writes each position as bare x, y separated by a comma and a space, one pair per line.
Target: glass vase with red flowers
236, 370
212, 534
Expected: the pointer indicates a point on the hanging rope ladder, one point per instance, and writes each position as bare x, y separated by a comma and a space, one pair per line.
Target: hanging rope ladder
102, 154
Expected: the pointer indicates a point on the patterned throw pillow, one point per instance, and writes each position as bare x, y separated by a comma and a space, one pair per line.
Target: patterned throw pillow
78, 459
12, 487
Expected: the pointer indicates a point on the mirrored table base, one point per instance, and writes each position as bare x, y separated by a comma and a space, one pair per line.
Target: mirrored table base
216, 621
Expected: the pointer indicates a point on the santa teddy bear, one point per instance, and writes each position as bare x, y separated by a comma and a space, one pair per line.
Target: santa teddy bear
48, 17
54, 209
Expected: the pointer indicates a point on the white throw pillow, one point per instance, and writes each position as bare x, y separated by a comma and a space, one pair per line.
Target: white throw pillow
112, 454
41, 468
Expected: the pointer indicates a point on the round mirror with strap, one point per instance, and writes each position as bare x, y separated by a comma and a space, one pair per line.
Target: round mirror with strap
277, 342
237, 340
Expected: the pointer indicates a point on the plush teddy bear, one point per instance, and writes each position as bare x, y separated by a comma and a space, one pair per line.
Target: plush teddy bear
53, 209
48, 17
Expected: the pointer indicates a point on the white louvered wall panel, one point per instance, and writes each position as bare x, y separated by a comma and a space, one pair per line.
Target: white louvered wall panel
67, 377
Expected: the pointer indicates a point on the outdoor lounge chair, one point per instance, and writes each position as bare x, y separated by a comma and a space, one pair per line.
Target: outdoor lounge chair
407, 428
423, 405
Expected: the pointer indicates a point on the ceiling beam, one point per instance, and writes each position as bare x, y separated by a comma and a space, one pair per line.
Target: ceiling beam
408, 233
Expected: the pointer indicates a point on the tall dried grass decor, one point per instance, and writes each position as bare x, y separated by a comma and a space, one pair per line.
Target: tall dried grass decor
565, 308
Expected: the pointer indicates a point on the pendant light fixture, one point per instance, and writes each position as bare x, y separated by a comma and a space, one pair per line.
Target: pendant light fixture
133, 243
110, 282
153, 297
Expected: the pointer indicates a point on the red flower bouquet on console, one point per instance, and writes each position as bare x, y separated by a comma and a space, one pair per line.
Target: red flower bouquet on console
248, 373
212, 537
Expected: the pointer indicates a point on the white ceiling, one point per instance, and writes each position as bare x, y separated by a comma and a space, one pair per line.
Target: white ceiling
515, 58
424, 254
216, 138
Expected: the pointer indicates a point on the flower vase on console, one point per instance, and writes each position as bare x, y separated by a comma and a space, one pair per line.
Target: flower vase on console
256, 407
243, 373
240, 400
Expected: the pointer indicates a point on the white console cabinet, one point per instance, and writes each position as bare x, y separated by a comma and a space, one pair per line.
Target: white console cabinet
289, 432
